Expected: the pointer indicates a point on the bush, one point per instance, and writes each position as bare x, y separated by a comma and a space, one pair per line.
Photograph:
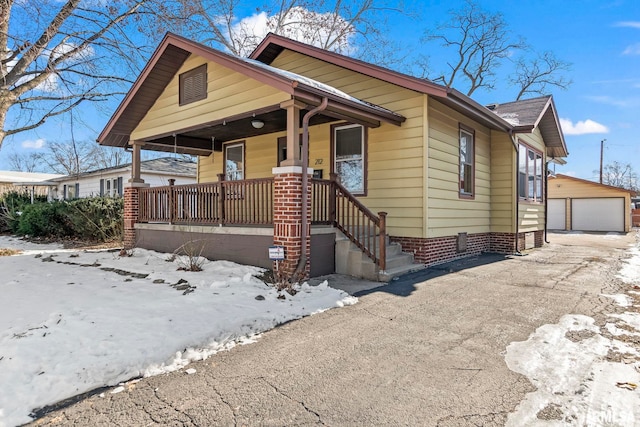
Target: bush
44, 220
95, 218
11, 204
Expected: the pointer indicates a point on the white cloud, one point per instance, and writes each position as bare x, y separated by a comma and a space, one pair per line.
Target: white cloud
582, 127
633, 49
299, 24
36, 145
628, 24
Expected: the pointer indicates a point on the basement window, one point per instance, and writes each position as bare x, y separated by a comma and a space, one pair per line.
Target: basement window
193, 85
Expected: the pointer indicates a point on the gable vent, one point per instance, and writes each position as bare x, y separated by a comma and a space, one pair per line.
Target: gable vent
193, 85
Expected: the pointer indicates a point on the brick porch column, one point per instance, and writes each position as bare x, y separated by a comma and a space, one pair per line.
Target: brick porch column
287, 221
131, 206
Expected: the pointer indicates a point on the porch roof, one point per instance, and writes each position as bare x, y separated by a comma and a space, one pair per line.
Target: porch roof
167, 60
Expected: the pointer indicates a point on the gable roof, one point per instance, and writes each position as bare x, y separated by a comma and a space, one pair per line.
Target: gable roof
172, 53
162, 166
528, 114
274, 44
586, 181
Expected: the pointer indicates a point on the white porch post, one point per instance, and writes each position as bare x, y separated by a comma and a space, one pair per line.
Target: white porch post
293, 108
135, 161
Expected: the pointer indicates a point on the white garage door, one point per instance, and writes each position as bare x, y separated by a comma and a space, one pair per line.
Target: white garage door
597, 214
557, 216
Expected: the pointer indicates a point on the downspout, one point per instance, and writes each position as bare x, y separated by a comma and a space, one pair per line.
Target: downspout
517, 195
305, 182
546, 199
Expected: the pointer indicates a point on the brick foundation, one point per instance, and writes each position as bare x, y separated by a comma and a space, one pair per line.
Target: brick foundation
287, 221
438, 250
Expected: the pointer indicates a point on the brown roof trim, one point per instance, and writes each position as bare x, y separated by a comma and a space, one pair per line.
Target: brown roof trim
586, 181
371, 70
267, 51
477, 111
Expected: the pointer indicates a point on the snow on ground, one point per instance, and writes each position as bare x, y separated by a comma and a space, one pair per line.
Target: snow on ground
72, 321
574, 369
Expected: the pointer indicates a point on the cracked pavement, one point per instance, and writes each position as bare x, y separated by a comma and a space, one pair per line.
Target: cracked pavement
424, 350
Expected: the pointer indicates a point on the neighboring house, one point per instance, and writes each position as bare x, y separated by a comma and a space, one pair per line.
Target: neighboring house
37, 184
110, 181
390, 157
580, 205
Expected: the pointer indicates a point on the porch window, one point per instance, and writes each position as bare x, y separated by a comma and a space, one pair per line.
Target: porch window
530, 170
467, 148
193, 85
349, 157
234, 162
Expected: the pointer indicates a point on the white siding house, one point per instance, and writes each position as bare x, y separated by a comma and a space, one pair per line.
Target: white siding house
110, 181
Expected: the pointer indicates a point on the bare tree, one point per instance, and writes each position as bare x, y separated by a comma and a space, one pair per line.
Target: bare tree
26, 162
56, 55
338, 29
69, 157
620, 175
480, 43
534, 76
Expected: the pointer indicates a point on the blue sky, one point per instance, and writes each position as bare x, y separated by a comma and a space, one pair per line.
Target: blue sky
600, 38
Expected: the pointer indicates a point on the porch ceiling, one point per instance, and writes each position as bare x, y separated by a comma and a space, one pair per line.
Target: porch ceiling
197, 140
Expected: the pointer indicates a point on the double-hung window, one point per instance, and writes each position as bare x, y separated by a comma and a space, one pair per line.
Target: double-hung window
349, 157
467, 163
530, 171
234, 162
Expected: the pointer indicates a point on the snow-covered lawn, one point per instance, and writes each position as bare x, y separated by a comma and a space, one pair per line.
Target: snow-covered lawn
584, 374
73, 321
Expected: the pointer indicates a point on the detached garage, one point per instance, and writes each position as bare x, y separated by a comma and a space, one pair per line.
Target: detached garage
580, 205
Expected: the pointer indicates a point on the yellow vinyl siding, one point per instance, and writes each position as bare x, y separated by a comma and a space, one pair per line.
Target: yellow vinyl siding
566, 188
395, 180
228, 93
503, 157
448, 214
530, 214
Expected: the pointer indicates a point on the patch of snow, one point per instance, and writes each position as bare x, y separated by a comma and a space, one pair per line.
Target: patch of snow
630, 318
630, 272
190, 371
77, 321
614, 330
573, 376
620, 299
117, 390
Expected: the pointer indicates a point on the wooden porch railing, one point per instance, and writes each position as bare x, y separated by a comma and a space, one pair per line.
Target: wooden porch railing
246, 202
250, 202
331, 203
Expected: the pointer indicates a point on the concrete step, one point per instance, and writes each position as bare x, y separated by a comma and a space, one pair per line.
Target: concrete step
389, 274
399, 260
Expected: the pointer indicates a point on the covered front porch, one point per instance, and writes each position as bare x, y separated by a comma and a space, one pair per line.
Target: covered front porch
234, 220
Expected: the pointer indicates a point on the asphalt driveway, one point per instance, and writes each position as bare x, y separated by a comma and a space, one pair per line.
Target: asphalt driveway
424, 350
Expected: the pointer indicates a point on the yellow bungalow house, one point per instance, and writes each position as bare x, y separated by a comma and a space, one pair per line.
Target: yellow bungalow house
399, 172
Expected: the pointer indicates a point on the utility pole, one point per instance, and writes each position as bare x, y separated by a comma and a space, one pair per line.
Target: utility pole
601, 156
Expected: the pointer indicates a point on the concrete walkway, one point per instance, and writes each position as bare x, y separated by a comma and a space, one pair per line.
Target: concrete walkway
424, 350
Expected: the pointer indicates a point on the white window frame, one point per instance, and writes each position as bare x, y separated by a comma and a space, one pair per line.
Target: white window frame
362, 158
237, 175
531, 177
468, 164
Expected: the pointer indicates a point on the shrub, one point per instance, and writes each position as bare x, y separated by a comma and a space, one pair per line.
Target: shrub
44, 220
11, 204
95, 218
